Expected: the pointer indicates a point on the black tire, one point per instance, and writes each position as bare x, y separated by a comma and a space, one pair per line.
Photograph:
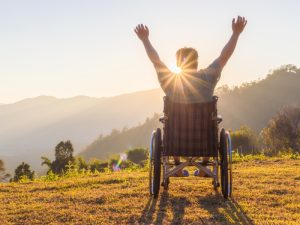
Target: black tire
155, 164
224, 163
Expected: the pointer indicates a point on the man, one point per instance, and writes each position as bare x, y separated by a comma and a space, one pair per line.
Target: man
190, 85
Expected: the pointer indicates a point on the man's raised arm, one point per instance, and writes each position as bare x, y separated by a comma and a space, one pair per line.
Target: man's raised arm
143, 33
237, 28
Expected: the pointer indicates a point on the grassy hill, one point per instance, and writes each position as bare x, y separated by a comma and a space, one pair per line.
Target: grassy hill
265, 192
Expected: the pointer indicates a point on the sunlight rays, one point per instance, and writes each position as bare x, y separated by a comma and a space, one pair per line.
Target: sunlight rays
183, 84
175, 69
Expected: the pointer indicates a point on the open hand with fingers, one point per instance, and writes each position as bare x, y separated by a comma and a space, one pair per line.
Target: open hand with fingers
238, 25
142, 32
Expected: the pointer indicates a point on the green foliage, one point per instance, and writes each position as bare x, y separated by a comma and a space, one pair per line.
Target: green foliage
245, 141
289, 154
138, 155
3, 175
63, 156
46, 162
81, 163
23, 173
295, 155
72, 170
98, 165
236, 157
282, 133
50, 176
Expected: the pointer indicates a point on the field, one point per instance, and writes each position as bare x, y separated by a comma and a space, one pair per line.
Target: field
265, 192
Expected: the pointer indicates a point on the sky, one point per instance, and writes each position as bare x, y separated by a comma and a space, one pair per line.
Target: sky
66, 48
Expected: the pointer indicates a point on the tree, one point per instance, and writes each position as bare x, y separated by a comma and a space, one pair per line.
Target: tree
81, 163
138, 155
63, 156
3, 174
46, 162
245, 140
23, 170
283, 131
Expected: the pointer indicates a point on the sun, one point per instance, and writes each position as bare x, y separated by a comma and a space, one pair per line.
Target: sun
175, 69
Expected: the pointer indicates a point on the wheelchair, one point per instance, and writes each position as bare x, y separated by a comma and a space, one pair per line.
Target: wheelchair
190, 131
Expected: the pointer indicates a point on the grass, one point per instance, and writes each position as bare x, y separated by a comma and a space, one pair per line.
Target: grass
265, 192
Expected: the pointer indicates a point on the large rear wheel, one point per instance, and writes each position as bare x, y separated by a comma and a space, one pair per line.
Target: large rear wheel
155, 162
225, 158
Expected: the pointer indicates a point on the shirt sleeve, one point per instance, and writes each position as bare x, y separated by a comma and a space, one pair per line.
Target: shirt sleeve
213, 73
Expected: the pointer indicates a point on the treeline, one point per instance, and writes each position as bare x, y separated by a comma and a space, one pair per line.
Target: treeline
281, 135
65, 162
255, 103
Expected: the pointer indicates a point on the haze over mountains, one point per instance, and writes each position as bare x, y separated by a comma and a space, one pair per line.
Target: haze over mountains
32, 127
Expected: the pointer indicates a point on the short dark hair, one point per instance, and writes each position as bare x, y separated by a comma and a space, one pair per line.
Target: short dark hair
187, 58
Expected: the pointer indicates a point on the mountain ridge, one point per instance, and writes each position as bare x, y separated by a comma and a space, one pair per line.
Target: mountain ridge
32, 128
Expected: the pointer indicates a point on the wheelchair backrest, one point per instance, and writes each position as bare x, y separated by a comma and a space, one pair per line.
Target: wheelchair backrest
190, 129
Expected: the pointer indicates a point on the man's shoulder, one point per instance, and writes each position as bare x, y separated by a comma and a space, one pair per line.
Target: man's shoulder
203, 73
209, 74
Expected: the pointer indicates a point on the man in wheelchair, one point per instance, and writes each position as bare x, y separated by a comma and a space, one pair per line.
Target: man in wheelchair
190, 85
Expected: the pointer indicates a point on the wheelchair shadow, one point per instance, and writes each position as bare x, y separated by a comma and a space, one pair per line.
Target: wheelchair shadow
177, 205
223, 211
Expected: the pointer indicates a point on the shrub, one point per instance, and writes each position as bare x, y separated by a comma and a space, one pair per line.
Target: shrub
282, 133
23, 173
245, 141
98, 165
63, 155
138, 156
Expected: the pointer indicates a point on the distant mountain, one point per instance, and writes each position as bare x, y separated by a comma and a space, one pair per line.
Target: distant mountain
255, 103
121, 140
32, 127
252, 104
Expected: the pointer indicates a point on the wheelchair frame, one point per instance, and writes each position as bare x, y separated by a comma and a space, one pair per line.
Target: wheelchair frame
221, 164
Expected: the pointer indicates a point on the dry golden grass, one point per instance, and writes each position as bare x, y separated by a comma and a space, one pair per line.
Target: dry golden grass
265, 192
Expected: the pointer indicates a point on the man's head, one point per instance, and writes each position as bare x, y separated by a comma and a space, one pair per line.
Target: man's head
187, 59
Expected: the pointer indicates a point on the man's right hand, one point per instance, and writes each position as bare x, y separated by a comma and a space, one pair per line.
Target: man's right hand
142, 32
